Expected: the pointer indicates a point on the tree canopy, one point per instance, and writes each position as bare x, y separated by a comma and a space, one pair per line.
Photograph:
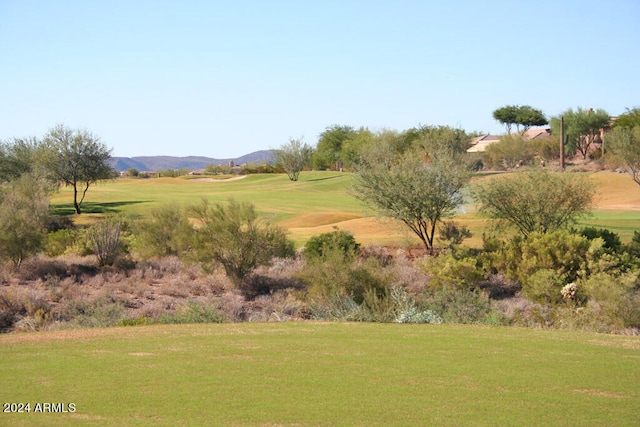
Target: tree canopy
623, 150
330, 144
406, 189
630, 119
519, 115
535, 201
76, 158
293, 157
582, 128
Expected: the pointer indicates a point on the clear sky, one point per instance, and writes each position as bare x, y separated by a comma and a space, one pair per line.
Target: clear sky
225, 78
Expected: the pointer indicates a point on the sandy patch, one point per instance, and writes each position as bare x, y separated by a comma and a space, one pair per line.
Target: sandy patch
235, 178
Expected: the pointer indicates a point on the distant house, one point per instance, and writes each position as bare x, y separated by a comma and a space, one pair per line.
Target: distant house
481, 143
537, 133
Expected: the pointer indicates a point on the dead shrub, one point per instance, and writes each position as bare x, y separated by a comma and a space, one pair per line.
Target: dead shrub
40, 267
232, 306
282, 305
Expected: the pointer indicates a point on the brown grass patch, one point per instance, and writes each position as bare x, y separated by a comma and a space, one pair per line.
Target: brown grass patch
311, 220
616, 191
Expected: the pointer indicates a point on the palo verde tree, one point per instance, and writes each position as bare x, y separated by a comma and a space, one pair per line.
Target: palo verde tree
234, 236
406, 189
582, 128
24, 207
535, 201
18, 156
76, 158
293, 157
630, 119
623, 150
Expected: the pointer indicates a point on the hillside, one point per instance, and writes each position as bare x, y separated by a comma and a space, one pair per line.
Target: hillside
153, 163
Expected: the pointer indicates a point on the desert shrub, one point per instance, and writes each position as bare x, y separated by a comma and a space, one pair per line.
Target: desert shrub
343, 240
617, 298
104, 311
235, 237
338, 307
104, 239
340, 273
10, 308
447, 270
634, 245
252, 168
57, 223
547, 149
544, 286
413, 315
281, 305
458, 306
509, 152
165, 231
408, 312
561, 251
193, 312
452, 234
59, 241
611, 240
255, 285
23, 213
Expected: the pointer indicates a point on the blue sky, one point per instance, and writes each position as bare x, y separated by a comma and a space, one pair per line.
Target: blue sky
225, 78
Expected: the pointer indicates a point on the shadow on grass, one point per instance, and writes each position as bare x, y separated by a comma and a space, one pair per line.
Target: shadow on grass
324, 178
65, 209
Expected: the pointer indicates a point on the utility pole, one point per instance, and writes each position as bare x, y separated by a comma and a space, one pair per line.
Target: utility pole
562, 142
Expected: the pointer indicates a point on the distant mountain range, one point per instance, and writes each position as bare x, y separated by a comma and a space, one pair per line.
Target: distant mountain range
155, 163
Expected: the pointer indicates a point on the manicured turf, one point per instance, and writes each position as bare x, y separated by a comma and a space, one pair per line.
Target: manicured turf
322, 374
320, 201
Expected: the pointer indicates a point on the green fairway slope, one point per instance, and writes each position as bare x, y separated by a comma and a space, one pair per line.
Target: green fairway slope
319, 201
322, 374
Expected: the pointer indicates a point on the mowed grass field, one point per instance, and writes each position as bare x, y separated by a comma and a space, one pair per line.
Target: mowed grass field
320, 201
301, 374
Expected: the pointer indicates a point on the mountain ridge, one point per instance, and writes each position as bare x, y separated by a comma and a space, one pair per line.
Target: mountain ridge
155, 163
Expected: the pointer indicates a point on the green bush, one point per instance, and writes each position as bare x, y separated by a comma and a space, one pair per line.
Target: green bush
60, 241
611, 240
617, 298
338, 307
340, 273
317, 245
509, 152
561, 251
446, 270
233, 236
165, 231
544, 286
105, 311
459, 306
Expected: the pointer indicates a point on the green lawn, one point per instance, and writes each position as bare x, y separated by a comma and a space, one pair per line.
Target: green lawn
314, 204
323, 374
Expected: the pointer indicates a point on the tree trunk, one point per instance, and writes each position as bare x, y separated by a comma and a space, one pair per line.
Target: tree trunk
75, 199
